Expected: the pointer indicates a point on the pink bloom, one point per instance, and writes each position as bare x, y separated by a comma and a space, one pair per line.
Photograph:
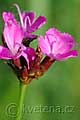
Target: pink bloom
13, 36
57, 45
27, 21
29, 24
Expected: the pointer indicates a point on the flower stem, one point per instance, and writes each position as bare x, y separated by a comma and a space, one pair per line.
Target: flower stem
21, 99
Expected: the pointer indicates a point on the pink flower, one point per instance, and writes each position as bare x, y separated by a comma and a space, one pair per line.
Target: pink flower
13, 36
57, 45
30, 25
27, 21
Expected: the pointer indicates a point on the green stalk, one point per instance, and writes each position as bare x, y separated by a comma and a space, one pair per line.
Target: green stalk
21, 99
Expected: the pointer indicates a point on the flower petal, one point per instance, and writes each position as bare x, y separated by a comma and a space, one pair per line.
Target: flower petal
28, 18
44, 45
12, 33
59, 42
65, 56
5, 53
55, 41
30, 36
40, 21
26, 58
8, 17
31, 16
29, 55
68, 39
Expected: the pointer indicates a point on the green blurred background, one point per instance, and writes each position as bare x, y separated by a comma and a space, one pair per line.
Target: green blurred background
60, 86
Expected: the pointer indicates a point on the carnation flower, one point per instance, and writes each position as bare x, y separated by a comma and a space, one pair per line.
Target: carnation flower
57, 45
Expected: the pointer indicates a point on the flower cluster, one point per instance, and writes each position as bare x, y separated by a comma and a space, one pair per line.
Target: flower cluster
28, 63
